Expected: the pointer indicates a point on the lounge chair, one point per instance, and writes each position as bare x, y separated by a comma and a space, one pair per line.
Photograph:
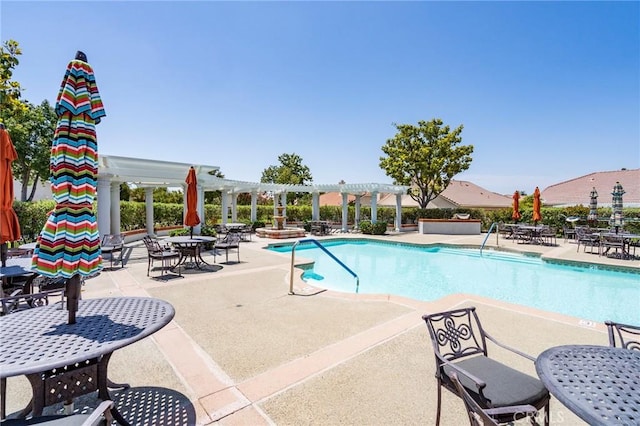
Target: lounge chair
479, 416
623, 335
460, 347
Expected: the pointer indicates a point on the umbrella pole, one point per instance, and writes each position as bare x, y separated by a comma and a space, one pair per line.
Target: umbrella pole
73, 295
3, 254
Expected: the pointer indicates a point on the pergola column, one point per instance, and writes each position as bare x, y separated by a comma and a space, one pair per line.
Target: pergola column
224, 198
374, 207
283, 203
115, 207
345, 211
254, 206
234, 206
398, 212
200, 209
104, 206
315, 206
357, 213
148, 203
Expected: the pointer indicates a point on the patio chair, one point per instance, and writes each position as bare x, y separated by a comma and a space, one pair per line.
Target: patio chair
112, 244
479, 416
549, 236
587, 238
460, 346
164, 254
101, 415
609, 242
230, 242
623, 335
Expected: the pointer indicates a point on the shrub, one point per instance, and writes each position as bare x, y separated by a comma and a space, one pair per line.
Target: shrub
377, 228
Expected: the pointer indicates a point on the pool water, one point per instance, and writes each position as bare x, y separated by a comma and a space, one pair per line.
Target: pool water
429, 273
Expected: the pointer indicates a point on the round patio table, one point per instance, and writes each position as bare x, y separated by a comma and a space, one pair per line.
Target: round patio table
600, 384
63, 361
190, 248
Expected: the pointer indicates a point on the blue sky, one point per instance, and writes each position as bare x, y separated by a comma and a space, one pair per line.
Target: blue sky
546, 91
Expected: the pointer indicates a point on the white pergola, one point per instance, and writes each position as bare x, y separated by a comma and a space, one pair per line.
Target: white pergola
150, 174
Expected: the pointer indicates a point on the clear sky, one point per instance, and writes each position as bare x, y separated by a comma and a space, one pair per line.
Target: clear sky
546, 91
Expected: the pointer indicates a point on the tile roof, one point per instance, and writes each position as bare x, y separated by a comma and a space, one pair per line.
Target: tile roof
459, 193
576, 191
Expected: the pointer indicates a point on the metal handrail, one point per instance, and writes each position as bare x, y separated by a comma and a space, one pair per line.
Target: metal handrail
487, 237
324, 249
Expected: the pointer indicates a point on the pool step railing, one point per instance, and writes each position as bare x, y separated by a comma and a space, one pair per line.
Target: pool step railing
324, 249
494, 224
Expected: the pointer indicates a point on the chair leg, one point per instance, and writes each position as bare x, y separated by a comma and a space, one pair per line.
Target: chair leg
3, 398
439, 401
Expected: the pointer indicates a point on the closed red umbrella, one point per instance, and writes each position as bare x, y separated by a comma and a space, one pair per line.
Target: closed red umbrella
9, 225
516, 207
536, 206
192, 219
69, 244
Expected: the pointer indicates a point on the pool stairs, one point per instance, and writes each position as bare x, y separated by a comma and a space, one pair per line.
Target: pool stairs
324, 249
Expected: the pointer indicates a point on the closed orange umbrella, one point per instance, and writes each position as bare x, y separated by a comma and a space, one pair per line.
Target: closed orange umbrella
191, 218
536, 206
516, 207
9, 225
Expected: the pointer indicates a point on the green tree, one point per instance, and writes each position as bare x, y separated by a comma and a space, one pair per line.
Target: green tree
10, 91
426, 157
32, 135
290, 171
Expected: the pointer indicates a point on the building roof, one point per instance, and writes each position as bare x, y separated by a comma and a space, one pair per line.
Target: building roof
576, 191
459, 193
333, 199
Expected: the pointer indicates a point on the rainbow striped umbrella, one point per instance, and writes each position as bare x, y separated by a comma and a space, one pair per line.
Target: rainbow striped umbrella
69, 244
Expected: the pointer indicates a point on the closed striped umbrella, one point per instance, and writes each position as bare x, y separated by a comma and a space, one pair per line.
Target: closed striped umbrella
617, 218
515, 215
593, 206
537, 216
69, 244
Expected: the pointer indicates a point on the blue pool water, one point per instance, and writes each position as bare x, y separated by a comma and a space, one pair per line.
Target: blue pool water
429, 273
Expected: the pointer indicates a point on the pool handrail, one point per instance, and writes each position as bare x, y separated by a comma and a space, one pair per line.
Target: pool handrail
487, 236
324, 249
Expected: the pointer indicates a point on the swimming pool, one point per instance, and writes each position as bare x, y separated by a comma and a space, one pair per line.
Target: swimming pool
429, 273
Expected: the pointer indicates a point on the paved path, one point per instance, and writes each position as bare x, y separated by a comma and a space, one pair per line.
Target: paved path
246, 352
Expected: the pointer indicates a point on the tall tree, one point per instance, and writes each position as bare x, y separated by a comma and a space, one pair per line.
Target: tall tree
290, 171
426, 157
32, 136
10, 91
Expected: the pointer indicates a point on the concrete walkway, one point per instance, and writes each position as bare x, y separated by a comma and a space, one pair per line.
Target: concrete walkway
245, 352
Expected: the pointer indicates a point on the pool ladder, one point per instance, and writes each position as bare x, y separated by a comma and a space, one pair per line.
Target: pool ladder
494, 224
324, 249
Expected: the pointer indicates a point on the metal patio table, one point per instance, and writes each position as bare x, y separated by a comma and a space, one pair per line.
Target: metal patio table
17, 267
63, 361
190, 248
600, 384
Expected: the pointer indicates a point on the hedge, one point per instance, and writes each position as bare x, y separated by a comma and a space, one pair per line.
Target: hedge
33, 215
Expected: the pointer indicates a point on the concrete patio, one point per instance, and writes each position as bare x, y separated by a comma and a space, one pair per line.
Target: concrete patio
245, 352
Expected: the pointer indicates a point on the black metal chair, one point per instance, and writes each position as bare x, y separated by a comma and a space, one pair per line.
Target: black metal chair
230, 242
165, 255
623, 335
101, 415
460, 346
112, 244
479, 416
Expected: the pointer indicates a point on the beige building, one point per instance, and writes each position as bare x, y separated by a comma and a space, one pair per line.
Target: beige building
577, 191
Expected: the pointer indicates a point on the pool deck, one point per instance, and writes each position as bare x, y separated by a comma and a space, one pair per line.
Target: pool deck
245, 352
